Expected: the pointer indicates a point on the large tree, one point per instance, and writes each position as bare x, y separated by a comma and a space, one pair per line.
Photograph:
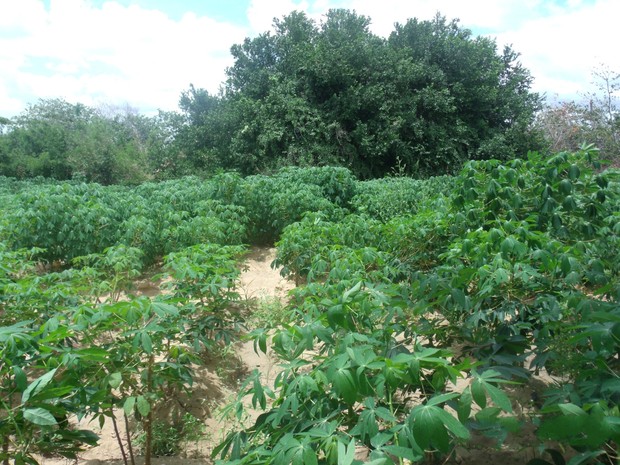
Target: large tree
428, 97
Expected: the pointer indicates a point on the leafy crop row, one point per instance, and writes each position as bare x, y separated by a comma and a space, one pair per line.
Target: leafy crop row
65, 354
420, 305
513, 272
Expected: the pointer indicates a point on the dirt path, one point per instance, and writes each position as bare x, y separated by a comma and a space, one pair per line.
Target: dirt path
258, 281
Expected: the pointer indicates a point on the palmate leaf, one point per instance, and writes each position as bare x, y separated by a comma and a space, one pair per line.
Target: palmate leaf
367, 426
482, 385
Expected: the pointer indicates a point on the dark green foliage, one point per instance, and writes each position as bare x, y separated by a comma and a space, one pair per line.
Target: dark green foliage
430, 97
273, 202
387, 198
86, 357
518, 261
72, 219
426, 99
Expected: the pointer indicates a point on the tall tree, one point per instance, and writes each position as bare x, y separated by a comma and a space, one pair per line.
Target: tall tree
430, 96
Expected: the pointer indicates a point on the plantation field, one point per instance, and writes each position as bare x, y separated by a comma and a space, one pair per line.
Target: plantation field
441, 320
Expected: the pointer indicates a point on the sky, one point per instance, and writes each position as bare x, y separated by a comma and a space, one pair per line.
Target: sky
144, 53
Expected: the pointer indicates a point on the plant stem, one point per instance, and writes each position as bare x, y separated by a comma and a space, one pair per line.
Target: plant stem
148, 423
5, 450
118, 438
129, 446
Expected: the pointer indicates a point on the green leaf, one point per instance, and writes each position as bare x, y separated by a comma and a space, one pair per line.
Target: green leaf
39, 416
584, 457
574, 172
309, 456
402, 452
262, 342
562, 427
93, 354
129, 405
164, 310
354, 290
453, 425
571, 409
345, 385
143, 406
380, 439
565, 264
336, 317
38, 385
464, 405
566, 186
147, 343
428, 428
478, 393
21, 381
440, 399
498, 397
346, 453
460, 298
115, 379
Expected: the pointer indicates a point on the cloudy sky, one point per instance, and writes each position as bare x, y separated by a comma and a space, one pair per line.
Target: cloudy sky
144, 53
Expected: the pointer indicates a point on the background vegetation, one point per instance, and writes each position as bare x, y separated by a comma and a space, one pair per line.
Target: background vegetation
402, 339
429, 97
425, 100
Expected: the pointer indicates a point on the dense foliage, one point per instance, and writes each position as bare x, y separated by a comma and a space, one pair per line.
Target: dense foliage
427, 98
60, 140
511, 273
431, 96
402, 341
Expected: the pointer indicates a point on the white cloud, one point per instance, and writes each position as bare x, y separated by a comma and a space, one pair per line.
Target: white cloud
262, 12
117, 54
562, 50
472, 13
114, 53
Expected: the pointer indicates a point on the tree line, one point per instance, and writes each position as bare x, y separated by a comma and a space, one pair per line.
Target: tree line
423, 100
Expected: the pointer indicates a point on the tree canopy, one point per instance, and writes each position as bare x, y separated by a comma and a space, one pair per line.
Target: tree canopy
428, 97
425, 99
57, 139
